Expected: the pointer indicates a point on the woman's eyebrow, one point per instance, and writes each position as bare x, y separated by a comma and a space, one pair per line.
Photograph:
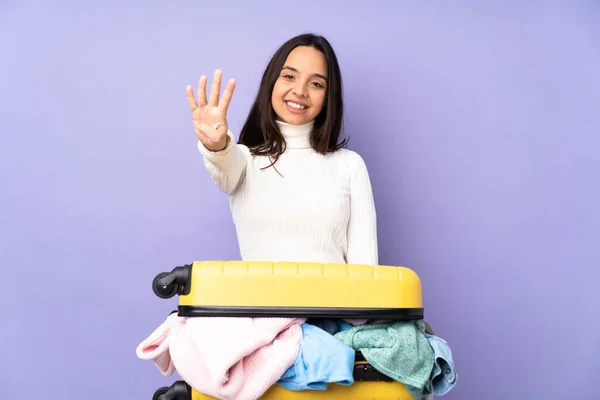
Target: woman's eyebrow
315, 74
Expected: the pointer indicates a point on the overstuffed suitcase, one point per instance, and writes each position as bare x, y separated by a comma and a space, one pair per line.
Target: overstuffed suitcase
287, 289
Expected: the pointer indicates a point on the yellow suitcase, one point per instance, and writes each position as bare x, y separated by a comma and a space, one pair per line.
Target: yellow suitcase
360, 390
242, 289
291, 289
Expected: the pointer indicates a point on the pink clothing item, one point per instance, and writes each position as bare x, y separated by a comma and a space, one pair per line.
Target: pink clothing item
156, 346
235, 358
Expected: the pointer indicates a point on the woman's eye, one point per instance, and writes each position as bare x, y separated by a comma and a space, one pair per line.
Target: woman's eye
317, 84
288, 77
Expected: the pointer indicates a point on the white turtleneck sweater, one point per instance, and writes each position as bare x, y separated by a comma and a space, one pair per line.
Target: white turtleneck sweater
320, 210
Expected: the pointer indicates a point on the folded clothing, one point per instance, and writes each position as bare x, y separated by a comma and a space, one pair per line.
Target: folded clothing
397, 349
322, 359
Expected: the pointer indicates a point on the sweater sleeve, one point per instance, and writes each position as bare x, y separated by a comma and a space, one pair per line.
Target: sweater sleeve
227, 168
362, 226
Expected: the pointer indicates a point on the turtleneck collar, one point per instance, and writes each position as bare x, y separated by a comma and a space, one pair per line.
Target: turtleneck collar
296, 136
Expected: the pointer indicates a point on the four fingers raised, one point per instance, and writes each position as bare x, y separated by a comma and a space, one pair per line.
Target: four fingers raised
214, 93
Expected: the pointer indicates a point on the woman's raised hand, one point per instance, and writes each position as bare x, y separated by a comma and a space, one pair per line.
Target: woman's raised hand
209, 117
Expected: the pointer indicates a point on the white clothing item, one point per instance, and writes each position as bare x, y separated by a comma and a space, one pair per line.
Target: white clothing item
321, 209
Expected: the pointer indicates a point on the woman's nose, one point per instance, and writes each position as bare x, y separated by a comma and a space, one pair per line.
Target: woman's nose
300, 89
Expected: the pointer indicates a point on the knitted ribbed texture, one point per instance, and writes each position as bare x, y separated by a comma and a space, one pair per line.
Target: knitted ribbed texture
235, 358
226, 358
320, 209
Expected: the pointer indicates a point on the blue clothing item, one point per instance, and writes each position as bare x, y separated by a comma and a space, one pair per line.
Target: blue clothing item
443, 376
331, 326
321, 359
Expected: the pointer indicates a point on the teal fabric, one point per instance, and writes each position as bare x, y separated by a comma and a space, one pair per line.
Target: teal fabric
397, 349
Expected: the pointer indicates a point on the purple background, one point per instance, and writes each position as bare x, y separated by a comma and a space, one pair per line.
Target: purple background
480, 125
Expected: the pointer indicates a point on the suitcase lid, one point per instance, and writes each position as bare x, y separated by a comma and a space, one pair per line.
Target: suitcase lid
291, 289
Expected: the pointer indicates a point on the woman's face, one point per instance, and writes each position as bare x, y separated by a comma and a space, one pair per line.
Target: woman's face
300, 91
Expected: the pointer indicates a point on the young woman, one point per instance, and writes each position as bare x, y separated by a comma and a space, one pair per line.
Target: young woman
296, 194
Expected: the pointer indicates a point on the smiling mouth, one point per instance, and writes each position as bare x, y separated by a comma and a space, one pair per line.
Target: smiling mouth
296, 105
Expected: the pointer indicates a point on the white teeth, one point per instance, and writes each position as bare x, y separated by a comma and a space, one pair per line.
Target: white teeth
294, 105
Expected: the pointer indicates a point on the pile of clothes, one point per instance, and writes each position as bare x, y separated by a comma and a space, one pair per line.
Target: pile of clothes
241, 358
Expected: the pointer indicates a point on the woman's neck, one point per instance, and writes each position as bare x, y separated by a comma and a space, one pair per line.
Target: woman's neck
296, 136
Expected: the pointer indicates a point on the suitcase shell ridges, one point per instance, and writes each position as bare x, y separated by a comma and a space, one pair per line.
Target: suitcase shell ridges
301, 285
